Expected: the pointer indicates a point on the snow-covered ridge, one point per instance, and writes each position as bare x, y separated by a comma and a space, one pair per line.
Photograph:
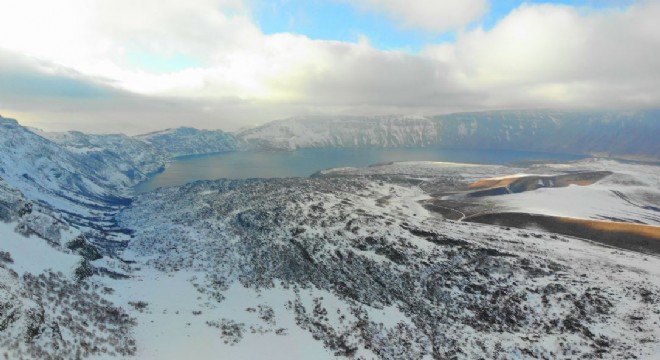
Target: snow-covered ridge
626, 134
73, 178
131, 152
342, 132
74, 170
612, 133
185, 141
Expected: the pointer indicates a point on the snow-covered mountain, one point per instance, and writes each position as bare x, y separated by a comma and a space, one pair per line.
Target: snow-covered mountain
81, 168
616, 133
134, 157
342, 132
185, 141
352, 263
57, 207
49, 172
78, 179
626, 134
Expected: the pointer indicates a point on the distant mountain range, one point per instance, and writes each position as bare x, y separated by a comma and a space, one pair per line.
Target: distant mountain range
186, 141
627, 134
621, 134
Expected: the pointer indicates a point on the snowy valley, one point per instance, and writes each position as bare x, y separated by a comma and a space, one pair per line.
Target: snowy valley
413, 260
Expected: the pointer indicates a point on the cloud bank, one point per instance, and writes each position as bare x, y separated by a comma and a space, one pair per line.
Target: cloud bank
138, 66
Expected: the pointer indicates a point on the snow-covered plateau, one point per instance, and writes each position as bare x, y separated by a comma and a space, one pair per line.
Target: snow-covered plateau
411, 260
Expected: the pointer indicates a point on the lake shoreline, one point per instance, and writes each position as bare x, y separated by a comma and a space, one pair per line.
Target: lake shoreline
306, 162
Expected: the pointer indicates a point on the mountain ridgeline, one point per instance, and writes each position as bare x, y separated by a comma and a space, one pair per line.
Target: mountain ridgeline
627, 134
620, 134
185, 141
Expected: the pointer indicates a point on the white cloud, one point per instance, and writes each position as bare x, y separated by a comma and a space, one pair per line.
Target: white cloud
97, 37
429, 15
537, 56
561, 56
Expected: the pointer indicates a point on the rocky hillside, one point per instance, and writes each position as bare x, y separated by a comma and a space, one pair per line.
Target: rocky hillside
115, 152
613, 133
370, 273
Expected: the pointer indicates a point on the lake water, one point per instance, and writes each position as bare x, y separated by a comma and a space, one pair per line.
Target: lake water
301, 163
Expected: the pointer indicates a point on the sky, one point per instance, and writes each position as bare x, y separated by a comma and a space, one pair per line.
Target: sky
129, 66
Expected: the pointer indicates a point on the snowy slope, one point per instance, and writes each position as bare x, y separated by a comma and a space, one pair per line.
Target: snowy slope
47, 171
185, 141
45, 313
174, 324
115, 152
343, 132
630, 194
365, 247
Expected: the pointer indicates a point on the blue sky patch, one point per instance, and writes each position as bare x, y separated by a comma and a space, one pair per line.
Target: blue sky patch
158, 63
332, 20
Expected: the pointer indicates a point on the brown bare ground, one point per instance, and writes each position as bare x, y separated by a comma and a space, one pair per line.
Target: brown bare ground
637, 237
618, 227
493, 183
519, 183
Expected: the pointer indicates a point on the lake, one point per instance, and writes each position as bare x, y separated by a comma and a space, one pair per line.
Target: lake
305, 162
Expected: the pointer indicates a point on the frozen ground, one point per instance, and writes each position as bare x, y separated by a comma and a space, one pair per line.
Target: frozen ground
347, 264
466, 290
631, 194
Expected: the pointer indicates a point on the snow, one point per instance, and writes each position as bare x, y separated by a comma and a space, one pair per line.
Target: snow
346, 131
389, 316
356, 208
626, 195
368, 268
34, 255
563, 131
168, 329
